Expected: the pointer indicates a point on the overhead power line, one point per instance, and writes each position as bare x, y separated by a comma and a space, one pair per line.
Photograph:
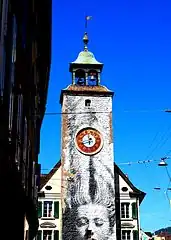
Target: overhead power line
161, 141
126, 111
145, 110
65, 113
125, 163
139, 162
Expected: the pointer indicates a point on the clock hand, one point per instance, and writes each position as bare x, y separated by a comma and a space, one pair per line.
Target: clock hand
87, 141
89, 136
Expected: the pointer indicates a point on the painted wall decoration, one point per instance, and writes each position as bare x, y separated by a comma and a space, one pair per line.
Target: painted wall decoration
88, 179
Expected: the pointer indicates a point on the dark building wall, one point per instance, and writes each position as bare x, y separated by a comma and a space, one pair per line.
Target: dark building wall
24, 75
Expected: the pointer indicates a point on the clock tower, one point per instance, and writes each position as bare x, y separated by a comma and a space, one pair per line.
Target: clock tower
88, 192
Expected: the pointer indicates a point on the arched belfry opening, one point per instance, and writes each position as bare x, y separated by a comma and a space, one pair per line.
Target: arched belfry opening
92, 78
80, 77
86, 70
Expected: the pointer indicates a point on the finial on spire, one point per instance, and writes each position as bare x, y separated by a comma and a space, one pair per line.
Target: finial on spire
85, 40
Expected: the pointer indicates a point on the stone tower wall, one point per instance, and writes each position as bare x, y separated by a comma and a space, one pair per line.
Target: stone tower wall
88, 198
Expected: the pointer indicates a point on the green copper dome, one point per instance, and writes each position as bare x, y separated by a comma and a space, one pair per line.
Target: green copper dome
86, 57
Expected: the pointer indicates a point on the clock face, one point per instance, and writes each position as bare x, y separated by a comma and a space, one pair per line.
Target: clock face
89, 141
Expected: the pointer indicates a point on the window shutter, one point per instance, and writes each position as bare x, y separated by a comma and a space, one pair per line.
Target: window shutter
135, 235
39, 209
134, 210
39, 235
56, 235
56, 209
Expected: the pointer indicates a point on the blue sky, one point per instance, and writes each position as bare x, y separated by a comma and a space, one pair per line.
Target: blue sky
133, 40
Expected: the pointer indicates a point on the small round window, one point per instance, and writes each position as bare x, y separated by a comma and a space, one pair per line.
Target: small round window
124, 189
48, 187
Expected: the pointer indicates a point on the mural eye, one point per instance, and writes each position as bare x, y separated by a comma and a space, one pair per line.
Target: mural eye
82, 221
99, 222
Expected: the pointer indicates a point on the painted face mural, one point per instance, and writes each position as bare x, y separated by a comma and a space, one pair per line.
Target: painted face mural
90, 208
95, 218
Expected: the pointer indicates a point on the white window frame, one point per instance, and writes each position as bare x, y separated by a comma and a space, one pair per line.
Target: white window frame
125, 205
43, 205
126, 234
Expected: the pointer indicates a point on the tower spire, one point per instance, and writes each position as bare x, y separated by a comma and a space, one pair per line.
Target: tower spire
86, 69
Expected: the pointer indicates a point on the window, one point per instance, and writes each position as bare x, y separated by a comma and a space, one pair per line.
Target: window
124, 210
126, 235
87, 102
48, 209
124, 189
48, 187
48, 235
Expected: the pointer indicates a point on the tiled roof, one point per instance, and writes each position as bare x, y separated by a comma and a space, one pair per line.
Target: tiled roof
99, 88
46, 177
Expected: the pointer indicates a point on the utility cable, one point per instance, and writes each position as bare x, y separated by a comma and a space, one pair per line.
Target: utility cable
65, 113
124, 163
150, 146
160, 143
61, 113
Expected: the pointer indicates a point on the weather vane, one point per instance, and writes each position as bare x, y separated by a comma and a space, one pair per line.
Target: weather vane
87, 18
